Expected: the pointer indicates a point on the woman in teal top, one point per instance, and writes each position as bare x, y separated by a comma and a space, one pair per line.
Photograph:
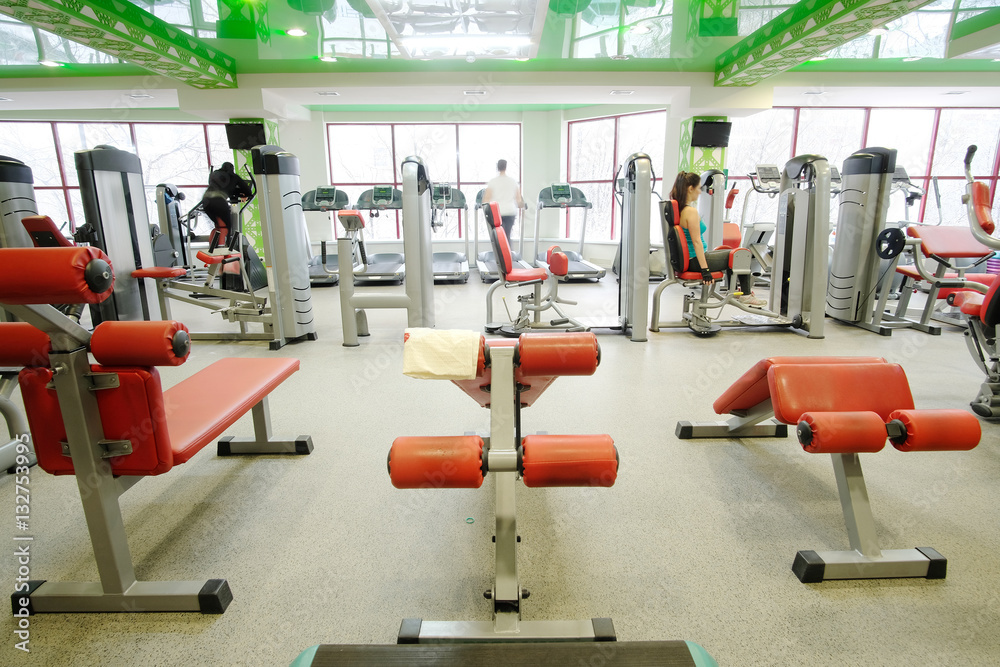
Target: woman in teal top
686, 190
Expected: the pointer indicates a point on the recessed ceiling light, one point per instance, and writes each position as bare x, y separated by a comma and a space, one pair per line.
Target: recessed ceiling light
5, 99
641, 29
878, 32
996, 60
471, 58
622, 92
140, 96
328, 93
296, 32
329, 59
816, 59
473, 92
50, 63
912, 59
619, 56
814, 92
956, 92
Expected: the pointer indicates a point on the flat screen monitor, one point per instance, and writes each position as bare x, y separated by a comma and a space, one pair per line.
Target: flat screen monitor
900, 174
244, 136
834, 174
710, 133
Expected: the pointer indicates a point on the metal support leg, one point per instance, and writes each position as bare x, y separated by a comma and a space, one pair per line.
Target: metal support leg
747, 425
263, 442
865, 560
118, 590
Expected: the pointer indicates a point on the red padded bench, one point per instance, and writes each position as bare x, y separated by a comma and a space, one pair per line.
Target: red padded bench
842, 406
110, 424
509, 375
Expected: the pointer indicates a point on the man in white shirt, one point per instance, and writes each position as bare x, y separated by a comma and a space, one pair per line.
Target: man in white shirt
505, 191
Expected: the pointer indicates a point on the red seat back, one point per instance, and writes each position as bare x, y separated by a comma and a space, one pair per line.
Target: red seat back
44, 233
501, 248
990, 313
981, 206
132, 411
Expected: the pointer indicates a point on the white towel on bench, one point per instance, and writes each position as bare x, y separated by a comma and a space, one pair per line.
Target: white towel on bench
431, 354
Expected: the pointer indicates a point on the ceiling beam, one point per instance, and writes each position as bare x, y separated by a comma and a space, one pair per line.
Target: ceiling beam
120, 29
802, 32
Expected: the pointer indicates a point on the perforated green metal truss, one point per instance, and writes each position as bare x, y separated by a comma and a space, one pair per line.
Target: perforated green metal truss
125, 31
718, 18
803, 32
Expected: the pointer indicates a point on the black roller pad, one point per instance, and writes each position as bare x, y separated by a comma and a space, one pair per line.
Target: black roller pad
214, 596
809, 567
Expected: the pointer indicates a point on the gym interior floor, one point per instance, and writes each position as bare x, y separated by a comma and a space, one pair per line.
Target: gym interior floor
695, 541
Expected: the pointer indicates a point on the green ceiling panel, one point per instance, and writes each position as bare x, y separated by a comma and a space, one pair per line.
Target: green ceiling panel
123, 30
802, 32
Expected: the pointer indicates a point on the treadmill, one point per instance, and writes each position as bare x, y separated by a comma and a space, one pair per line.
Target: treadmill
449, 266
383, 267
327, 199
562, 195
485, 261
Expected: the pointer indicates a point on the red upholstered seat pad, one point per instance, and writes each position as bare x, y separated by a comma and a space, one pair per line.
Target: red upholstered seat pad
969, 302
160, 272
981, 278
948, 241
696, 275
799, 388
526, 275
751, 388
213, 259
202, 407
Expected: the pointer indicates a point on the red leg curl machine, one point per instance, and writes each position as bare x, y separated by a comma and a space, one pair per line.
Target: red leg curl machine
110, 424
842, 406
510, 374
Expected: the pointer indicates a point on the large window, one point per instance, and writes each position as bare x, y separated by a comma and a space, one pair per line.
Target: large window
930, 144
463, 155
178, 153
597, 148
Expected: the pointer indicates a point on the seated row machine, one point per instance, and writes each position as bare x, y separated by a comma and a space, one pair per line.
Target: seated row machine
110, 424
842, 406
532, 306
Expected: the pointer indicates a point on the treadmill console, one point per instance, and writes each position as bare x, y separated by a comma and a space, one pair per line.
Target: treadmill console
382, 195
768, 179
326, 197
441, 194
562, 193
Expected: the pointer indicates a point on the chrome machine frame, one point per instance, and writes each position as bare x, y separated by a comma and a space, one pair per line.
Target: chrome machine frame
418, 299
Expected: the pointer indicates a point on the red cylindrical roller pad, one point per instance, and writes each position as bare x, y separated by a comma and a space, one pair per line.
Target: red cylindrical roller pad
558, 354
569, 460
453, 462
937, 430
23, 345
137, 343
48, 275
844, 432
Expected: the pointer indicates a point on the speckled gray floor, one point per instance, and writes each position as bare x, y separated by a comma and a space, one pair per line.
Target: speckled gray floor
695, 541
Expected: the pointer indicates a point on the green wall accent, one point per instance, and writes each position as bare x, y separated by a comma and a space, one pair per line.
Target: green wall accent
123, 30
696, 158
251, 215
802, 32
977, 23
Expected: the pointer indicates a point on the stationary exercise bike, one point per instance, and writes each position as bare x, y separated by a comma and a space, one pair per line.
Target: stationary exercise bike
983, 311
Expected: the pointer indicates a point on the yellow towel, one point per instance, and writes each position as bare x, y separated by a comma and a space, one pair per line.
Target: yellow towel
430, 354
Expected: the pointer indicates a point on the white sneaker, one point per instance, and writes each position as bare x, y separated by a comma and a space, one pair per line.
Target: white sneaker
750, 300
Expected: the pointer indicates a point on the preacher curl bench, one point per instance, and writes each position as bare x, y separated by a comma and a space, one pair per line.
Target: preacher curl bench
110, 424
842, 406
